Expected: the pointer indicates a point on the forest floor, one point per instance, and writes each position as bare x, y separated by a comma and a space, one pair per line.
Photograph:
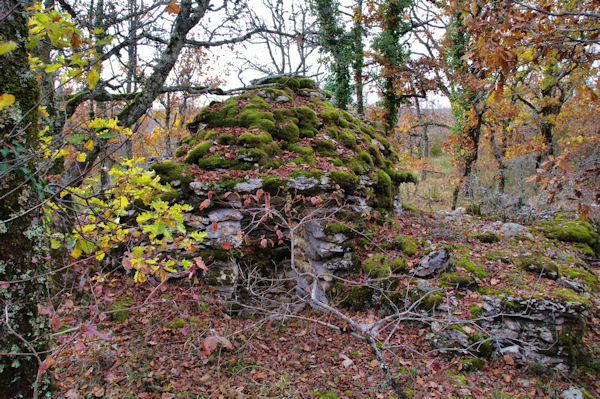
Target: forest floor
178, 340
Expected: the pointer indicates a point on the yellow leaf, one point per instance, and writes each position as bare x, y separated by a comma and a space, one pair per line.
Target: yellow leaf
6, 100
100, 256
173, 8
42, 110
5, 47
81, 157
92, 78
54, 244
76, 252
89, 145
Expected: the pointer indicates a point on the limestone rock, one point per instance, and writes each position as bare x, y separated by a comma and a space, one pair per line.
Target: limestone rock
571, 393
434, 263
511, 230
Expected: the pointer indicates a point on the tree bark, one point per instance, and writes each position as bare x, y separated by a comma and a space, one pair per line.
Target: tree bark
23, 331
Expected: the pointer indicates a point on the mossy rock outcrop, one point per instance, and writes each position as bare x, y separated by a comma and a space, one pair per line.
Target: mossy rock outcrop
288, 124
573, 230
283, 144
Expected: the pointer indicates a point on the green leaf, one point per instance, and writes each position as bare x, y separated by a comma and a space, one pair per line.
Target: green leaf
76, 138
107, 134
54, 244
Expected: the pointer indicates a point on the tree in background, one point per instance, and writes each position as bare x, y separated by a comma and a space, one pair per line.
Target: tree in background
336, 42
392, 55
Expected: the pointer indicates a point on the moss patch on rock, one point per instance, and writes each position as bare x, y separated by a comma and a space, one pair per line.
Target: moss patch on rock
170, 171
345, 180
538, 264
254, 140
358, 298
199, 151
383, 190
572, 230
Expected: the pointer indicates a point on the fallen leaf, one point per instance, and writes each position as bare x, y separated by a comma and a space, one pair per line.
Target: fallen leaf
506, 377
211, 342
173, 8
509, 360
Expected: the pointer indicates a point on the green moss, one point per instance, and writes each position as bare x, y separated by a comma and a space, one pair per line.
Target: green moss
488, 237
337, 228
476, 310
398, 264
302, 150
226, 139
350, 118
283, 115
120, 315
348, 139
307, 159
365, 158
472, 364
216, 115
248, 117
216, 161
345, 180
401, 177
481, 345
255, 155
199, 151
458, 280
314, 173
409, 207
408, 245
580, 231
473, 268
288, 133
325, 147
566, 295
376, 266
292, 82
272, 184
383, 190
169, 196
500, 254
354, 165
307, 119
264, 125
180, 151
575, 273
176, 324
358, 298
170, 171
431, 300
539, 265
376, 156
271, 149
330, 116
208, 135
258, 101
368, 130
337, 162
254, 140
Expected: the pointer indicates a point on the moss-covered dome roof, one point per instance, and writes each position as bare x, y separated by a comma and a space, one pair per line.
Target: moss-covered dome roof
285, 128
